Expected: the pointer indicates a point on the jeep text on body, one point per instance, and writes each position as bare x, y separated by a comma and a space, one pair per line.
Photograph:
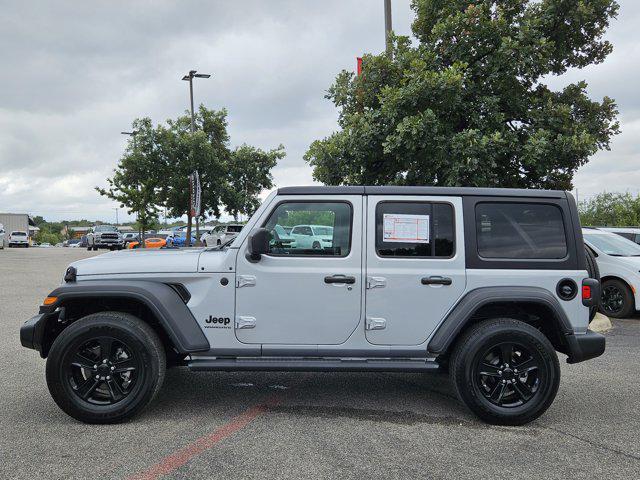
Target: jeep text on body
485, 283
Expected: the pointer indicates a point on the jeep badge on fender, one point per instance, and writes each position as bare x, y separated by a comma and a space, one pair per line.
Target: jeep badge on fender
487, 284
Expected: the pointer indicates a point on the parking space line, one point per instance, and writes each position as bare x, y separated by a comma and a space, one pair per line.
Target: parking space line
174, 461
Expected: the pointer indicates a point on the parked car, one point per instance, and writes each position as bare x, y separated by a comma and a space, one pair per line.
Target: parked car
1, 236
619, 263
104, 236
315, 237
153, 242
18, 239
130, 237
74, 243
222, 234
179, 239
629, 233
45, 245
487, 284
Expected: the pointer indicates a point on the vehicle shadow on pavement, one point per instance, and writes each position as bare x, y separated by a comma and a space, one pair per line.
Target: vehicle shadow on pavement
384, 397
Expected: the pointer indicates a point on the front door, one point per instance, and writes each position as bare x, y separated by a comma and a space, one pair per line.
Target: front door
305, 291
415, 266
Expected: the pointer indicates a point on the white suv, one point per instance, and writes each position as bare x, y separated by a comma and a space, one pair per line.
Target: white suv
19, 239
222, 234
629, 233
314, 237
619, 262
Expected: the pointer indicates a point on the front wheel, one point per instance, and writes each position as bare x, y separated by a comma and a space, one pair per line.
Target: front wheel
505, 371
105, 368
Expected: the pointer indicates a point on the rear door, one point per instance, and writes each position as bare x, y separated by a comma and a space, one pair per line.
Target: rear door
415, 267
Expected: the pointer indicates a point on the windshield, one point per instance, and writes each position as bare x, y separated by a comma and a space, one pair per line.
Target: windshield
18, 234
106, 228
613, 244
234, 228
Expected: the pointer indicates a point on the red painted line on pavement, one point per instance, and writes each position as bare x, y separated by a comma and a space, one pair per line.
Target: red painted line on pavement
174, 461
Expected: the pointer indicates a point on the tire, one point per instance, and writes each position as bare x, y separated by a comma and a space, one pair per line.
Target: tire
617, 299
316, 245
524, 397
95, 249
107, 401
594, 272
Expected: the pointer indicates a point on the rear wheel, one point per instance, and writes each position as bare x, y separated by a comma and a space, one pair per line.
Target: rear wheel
105, 367
617, 299
505, 371
316, 245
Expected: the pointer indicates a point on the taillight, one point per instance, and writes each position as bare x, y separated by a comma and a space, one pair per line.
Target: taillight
586, 292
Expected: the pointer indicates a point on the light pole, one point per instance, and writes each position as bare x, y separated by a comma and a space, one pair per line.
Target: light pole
133, 134
387, 26
189, 78
116, 209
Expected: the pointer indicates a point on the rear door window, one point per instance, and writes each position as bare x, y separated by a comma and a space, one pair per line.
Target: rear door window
520, 231
414, 229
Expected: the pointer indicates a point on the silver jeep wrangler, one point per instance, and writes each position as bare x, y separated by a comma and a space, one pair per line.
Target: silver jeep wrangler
487, 284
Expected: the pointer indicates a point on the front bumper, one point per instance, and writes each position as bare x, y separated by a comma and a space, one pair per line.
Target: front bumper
39, 331
32, 330
584, 347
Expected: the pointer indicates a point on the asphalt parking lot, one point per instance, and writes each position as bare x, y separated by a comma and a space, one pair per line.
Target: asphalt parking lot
313, 425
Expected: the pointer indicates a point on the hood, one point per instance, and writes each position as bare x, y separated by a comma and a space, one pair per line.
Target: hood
141, 261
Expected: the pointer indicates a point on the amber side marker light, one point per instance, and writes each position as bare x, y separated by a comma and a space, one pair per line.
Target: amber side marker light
50, 300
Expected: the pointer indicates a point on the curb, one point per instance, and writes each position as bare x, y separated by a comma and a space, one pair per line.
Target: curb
600, 323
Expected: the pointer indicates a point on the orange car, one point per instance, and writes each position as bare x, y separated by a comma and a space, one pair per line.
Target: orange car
149, 243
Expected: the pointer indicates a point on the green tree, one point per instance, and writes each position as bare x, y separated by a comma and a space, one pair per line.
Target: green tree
249, 173
137, 179
466, 104
610, 210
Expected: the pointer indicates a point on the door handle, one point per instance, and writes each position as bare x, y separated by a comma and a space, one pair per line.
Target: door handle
340, 279
436, 280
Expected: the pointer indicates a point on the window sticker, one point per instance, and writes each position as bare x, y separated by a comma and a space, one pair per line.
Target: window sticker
405, 228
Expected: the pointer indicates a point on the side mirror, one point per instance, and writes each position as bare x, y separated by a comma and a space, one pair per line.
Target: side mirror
258, 244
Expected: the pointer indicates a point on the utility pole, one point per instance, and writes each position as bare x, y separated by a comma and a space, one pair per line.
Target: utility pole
189, 78
387, 26
116, 209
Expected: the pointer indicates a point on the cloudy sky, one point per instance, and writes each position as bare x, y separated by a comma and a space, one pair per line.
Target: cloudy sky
75, 74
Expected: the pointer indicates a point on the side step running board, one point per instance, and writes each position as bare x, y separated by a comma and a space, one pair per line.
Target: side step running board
297, 364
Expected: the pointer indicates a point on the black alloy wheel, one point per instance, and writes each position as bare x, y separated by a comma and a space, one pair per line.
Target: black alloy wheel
505, 371
616, 300
103, 371
508, 375
105, 367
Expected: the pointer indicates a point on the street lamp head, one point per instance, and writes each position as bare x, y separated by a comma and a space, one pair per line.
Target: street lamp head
129, 133
193, 73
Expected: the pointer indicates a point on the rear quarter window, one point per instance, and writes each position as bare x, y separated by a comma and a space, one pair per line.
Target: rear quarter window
527, 231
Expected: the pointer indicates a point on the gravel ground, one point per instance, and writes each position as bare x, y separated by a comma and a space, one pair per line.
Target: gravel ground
315, 425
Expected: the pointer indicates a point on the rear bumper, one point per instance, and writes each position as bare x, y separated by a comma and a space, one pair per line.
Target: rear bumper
584, 347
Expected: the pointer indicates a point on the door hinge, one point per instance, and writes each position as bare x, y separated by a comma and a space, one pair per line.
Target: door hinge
245, 281
376, 282
245, 322
373, 323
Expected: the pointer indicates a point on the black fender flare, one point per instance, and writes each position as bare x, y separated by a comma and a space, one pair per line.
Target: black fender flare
462, 313
163, 301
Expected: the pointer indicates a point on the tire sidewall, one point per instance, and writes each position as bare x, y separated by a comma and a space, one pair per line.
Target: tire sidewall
82, 331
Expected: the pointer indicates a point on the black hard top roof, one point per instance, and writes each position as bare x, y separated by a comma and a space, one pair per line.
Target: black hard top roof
393, 190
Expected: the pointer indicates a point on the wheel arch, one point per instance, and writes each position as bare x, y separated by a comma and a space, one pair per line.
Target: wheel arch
532, 305
162, 306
